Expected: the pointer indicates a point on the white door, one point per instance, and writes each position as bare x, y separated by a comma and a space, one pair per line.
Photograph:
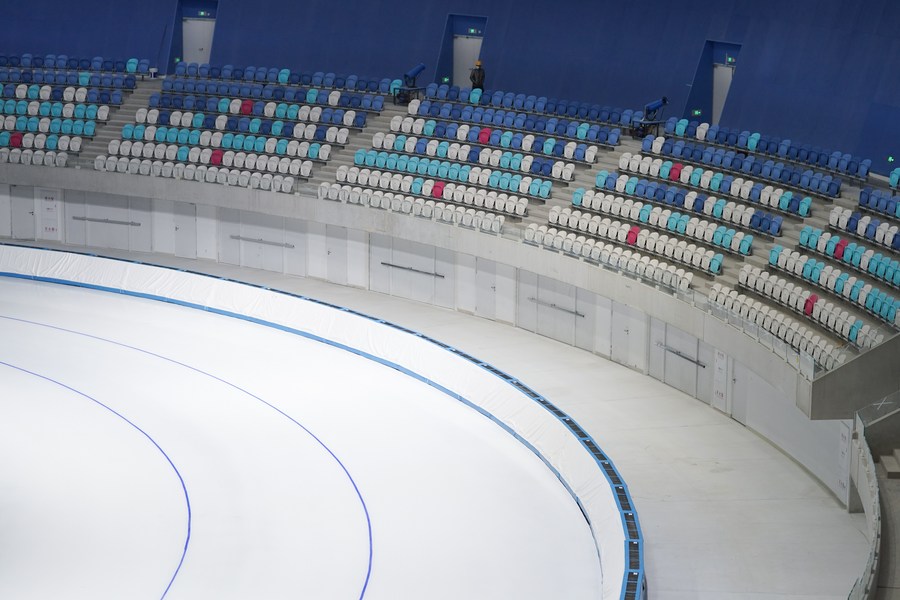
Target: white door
185, 230
336, 251
22, 209
197, 38
485, 288
629, 336
722, 75
466, 50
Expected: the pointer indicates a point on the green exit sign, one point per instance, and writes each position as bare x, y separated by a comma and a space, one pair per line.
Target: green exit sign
696, 112
729, 59
890, 159
472, 30
445, 80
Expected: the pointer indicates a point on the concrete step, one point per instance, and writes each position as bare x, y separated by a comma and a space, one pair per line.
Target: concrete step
891, 465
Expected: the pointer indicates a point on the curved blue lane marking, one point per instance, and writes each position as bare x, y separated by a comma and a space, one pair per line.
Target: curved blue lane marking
634, 573
187, 500
242, 390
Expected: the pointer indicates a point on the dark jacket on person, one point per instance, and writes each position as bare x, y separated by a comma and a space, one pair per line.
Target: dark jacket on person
477, 77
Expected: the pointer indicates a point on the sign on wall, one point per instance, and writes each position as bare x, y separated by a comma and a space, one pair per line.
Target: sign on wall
720, 380
48, 213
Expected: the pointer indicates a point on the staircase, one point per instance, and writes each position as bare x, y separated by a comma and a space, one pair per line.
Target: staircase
118, 116
890, 463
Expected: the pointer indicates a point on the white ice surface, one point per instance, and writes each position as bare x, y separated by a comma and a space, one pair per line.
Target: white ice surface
90, 508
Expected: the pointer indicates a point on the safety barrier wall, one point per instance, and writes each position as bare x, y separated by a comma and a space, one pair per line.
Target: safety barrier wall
757, 381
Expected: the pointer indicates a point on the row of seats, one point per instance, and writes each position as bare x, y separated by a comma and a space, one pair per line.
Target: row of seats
863, 226
834, 280
462, 173
283, 77
626, 260
40, 141
246, 103
59, 93
257, 91
661, 244
420, 207
777, 172
794, 334
880, 201
495, 137
707, 179
835, 161
202, 173
184, 135
440, 190
534, 104
68, 110
82, 78
209, 156
673, 222
33, 157
802, 301
719, 209
542, 167
64, 61
245, 124
291, 113
229, 142
523, 121
47, 125
866, 260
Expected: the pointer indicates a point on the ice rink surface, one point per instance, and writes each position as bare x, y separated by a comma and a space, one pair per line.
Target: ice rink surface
149, 450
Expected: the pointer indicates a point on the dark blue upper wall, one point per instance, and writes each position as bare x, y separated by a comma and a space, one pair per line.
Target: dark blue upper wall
819, 71
87, 28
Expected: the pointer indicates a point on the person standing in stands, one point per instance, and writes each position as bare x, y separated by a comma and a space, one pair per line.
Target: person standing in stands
476, 76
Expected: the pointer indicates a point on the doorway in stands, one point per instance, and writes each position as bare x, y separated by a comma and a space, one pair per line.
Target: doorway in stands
712, 81
198, 24
461, 47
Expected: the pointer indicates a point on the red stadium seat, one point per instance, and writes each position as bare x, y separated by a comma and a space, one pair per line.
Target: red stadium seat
632, 236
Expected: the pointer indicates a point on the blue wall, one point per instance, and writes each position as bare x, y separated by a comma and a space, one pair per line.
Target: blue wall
819, 71
87, 28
